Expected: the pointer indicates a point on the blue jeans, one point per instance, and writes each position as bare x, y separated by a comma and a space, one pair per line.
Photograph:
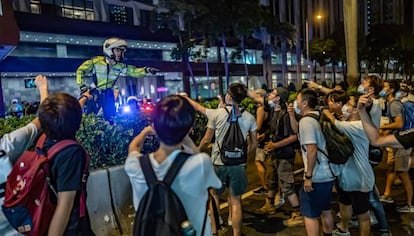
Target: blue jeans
378, 210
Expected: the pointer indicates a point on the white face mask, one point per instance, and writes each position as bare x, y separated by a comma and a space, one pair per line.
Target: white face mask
271, 103
295, 106
345, 112
361, 89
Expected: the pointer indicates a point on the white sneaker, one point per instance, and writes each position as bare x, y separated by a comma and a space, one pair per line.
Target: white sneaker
336, 232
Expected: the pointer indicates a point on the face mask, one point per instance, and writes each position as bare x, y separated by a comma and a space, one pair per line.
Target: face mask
295, 106
361, 89
398, 95
271, 103
345, 112
383, 93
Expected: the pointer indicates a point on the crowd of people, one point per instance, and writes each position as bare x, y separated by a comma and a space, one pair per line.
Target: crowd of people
273, 137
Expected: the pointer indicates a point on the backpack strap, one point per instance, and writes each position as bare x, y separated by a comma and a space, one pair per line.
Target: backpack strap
317, 118
175, 167
149, 174
55, 149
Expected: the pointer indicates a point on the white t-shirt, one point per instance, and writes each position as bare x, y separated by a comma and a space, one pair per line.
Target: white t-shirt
217, 120
310, 133
356, 173
376, 112
190, 184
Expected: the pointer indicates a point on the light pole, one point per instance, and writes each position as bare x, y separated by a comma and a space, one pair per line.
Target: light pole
308, 38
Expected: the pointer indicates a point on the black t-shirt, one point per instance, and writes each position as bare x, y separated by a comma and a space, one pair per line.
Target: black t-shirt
406, 138
66, 174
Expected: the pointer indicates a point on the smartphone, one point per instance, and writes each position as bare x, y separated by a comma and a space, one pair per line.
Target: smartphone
29, 83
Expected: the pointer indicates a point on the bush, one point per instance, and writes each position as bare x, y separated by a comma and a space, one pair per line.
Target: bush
107, 144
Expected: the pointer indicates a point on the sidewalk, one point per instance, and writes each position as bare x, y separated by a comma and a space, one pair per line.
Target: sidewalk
264, 225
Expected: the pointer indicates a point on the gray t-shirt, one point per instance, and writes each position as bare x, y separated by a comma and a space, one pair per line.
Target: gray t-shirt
356, 173
310, 133
395, 109
217, 120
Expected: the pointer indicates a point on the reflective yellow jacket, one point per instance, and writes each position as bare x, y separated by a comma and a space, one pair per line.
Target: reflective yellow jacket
105, 79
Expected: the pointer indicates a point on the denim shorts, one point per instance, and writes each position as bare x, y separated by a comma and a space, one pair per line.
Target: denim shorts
232, 177
313, 203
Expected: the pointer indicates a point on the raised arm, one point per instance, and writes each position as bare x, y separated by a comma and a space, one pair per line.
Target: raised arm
315, 85
256, 97
197, 106
372, 132
137, 143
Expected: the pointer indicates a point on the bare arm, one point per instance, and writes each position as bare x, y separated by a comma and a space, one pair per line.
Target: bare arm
205, 141
42, 86
315, 85
62, 213
252, 141
312, 151
269, 146
256, 97
197, 106
137, 143
371, 131
397, 124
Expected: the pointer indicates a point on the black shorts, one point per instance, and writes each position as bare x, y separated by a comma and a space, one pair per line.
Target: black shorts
358, 200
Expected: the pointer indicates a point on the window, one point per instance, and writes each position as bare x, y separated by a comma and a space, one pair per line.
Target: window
120, 15
78, 9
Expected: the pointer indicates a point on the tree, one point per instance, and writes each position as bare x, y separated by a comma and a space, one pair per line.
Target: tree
351, 40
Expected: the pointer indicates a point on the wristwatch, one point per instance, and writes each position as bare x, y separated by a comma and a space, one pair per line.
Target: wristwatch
308, 177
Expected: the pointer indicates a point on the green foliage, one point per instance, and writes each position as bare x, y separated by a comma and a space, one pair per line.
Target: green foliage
7, 125
292, 97
107, 144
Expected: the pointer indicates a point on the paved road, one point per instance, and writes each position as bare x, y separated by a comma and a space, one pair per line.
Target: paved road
262, 225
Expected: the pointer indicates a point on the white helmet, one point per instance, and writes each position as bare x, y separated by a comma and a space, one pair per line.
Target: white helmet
112, 43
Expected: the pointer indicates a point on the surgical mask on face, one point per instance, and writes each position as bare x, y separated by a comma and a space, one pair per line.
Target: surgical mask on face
361, 89
398, 95
271, 103
383, 93
345, 112
295, 106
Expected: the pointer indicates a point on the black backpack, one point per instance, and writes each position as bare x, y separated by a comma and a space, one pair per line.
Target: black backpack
160, 211
338, 144
233, 150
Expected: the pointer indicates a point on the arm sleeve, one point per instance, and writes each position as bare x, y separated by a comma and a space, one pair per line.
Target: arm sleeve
136, 72
16, 142
405, 138
83, 69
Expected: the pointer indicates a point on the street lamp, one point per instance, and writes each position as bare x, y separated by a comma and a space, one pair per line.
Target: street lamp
309, 36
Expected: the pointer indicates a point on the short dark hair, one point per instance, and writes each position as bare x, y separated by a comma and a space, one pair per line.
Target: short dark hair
60, 116
310, 96
394, 84
238, 92
173, 118
338, 96
376, 82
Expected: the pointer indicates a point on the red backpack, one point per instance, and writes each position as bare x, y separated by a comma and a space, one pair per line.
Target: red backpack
27, 205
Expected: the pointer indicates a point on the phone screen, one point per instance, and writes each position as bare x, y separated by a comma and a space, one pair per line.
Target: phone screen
29, 83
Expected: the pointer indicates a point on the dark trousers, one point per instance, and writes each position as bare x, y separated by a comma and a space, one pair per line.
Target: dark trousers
107, 102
